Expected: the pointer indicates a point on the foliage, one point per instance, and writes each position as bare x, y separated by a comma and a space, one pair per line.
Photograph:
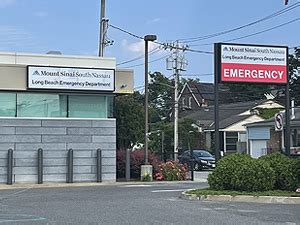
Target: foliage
207, 191
147, 177
171, 170
130, 121
294, 63
285, 171
266, 113
240, 172
137, 158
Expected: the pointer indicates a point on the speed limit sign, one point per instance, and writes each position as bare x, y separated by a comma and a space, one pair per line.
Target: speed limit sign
278, 122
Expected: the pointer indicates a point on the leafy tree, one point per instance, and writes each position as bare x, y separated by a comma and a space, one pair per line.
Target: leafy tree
130, 120
294, 63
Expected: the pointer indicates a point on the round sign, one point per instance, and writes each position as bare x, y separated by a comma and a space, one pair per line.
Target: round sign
278, 121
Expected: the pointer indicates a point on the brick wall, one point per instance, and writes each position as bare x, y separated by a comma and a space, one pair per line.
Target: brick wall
55, 137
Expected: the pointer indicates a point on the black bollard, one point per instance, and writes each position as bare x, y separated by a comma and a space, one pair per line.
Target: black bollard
40, 166
99, 165
10, 166
70, 166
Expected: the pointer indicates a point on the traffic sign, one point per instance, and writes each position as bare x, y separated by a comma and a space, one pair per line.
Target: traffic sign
278, 122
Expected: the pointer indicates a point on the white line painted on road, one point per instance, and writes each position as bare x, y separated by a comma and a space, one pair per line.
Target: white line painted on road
137, 185
175, 190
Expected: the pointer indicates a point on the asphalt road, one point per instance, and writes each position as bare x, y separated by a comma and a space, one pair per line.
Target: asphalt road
132, 204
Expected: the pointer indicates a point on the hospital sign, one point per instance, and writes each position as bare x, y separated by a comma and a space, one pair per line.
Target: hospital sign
252, 63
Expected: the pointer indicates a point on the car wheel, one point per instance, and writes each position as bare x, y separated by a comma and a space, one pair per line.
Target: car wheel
197, 167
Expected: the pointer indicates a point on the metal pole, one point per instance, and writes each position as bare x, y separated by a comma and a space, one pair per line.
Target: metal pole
10, 166
162, 146
40, 166
287, 119
216, 92
127, 162
99, 165
146, 102
70, 166
176, 105
191, 159
102, 23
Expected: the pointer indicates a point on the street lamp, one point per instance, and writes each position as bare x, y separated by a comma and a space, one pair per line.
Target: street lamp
146, 169
147, 38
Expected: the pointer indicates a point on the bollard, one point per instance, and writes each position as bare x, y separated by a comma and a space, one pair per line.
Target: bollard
40, 166
99, 165
70, 166
127, 164
10, 166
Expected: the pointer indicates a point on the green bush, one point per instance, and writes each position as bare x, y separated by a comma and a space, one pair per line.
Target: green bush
240, 172
286, 171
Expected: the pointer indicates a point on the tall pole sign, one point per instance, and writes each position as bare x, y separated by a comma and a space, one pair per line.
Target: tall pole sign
251, 64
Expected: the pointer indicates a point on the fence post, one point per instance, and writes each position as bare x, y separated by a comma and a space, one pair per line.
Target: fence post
10, 166
99, 165
70, 166
40, 166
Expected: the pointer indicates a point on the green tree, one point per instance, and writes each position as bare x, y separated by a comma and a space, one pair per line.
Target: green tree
130, 120
294, 64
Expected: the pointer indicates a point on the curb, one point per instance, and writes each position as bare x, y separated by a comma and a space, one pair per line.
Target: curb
89, 184
242, 198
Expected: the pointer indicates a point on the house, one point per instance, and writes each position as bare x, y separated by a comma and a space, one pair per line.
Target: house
233, 117
263, 139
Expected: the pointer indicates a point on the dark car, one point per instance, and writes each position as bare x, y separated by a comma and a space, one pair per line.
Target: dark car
202, 159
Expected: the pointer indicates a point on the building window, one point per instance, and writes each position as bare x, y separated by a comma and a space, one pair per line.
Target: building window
183, 102
87, 106
55, 105
41, 105
8, 104
231, 140
190, 102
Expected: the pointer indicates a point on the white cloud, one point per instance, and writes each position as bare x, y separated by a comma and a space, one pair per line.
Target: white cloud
138, 47
4, 3
155, 20
41, 14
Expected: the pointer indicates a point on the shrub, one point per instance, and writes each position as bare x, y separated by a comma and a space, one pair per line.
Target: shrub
240, 172
137, 158
287, 176
171, 170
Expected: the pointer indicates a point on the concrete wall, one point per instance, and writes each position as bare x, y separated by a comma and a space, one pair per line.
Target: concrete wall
55, 137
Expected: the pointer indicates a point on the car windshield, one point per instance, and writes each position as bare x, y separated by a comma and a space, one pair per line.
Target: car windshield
202, 154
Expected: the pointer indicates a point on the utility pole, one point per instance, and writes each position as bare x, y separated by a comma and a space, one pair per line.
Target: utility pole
104, 41
176, 62
102, 16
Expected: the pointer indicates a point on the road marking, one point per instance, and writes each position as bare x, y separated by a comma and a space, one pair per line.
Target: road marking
175, 190
137, 185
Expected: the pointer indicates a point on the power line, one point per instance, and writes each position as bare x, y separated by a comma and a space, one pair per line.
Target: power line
256, 33
153, 51
287, 9
141, 64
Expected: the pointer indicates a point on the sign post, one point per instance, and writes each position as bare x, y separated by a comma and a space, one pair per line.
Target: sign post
245, 63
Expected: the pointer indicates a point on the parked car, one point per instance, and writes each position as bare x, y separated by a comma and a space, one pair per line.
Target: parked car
202, 159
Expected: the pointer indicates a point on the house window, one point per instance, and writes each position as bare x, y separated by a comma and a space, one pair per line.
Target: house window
231, 140
190, 102
183, 102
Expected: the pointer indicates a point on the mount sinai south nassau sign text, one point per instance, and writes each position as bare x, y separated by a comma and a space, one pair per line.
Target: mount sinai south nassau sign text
84, 79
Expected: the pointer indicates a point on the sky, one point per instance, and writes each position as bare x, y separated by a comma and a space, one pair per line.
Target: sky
72, 27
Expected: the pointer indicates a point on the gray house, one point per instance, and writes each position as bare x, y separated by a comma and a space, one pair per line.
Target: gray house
262, 138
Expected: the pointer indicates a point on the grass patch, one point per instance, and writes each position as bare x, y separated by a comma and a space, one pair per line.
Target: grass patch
208, 191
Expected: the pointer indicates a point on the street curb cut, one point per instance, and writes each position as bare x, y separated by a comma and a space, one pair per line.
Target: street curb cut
243, 198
